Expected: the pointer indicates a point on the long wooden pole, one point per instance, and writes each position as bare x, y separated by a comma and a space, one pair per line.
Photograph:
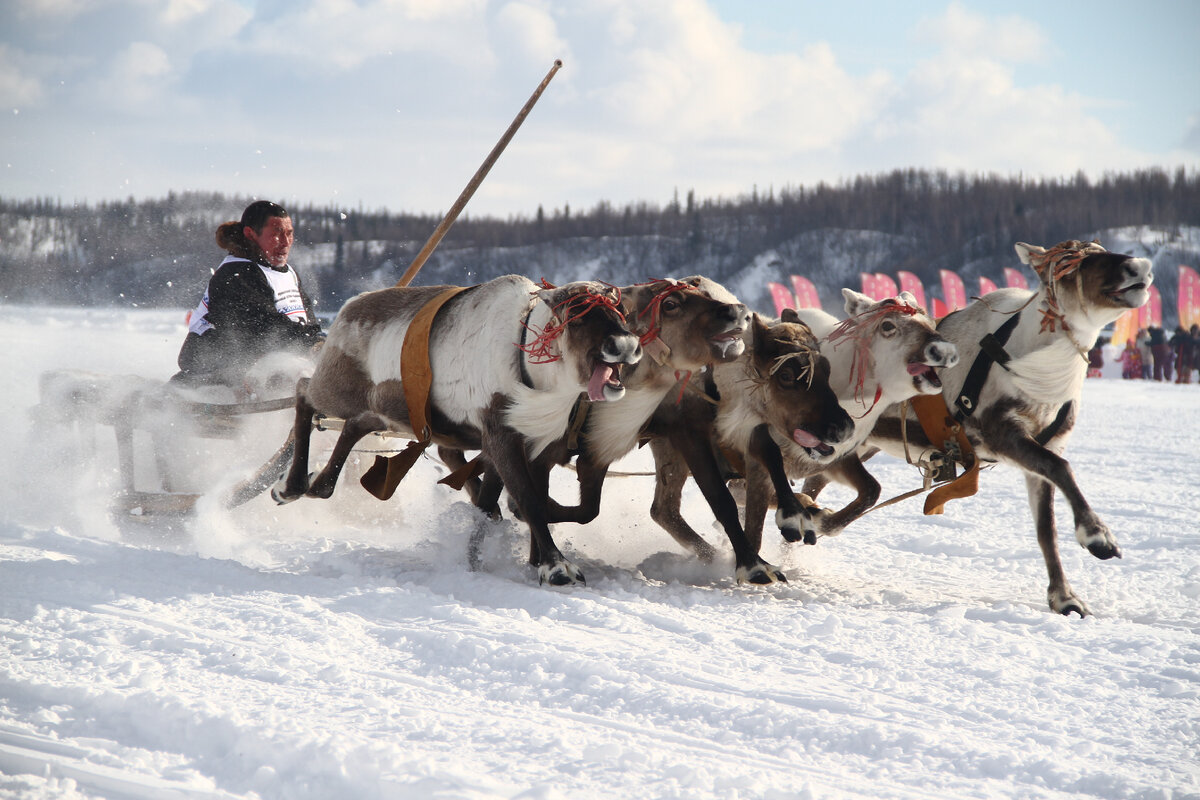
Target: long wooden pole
477, 179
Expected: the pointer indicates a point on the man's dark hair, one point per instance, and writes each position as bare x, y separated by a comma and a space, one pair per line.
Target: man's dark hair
258, 212
230, 236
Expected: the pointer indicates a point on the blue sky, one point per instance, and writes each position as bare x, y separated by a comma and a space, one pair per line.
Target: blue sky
394, 103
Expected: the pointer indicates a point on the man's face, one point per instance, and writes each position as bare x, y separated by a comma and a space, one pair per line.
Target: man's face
275, 241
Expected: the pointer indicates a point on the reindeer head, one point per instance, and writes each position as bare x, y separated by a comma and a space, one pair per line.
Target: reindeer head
587, 331
896, 347
688, 324
1085, 279
798, 401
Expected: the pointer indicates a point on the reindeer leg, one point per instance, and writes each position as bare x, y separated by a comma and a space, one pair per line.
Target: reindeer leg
813, 484
1004, 434
1061, 596
850, 471
591, 485
670, 475
528, 485
295, 482
790, 516
698, 454
353, 431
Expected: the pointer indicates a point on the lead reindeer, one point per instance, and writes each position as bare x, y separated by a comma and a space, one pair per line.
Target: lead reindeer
1016, 391
507, 361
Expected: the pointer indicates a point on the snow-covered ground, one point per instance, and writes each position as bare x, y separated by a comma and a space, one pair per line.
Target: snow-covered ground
343, 649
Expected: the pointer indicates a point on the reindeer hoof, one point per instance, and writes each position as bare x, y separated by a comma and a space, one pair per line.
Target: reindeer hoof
282, 495
1066, 602
760, 574
794, 533
1098, 540
564, 573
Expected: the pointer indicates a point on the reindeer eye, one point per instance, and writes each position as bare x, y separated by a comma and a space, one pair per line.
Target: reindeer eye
887, 327
670, 305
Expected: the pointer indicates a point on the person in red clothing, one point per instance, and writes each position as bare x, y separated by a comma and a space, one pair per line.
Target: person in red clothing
1131, 361
254, 303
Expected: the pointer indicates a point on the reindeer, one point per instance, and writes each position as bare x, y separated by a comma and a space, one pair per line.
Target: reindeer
1017, 389
508, 361
781, 377
684, 326
884, 352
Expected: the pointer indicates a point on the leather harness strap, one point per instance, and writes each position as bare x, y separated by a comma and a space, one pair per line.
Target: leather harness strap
946, 432
947, 436
991, 351
416, 377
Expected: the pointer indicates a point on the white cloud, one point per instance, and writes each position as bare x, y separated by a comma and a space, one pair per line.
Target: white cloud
1010, 39
395, 102
17, 87
344, 34
138, 77
530, 30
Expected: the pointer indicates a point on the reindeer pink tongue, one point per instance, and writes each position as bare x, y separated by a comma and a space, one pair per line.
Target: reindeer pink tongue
804, 438
600, 377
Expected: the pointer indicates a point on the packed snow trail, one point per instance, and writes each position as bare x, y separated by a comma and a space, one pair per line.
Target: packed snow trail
344, 649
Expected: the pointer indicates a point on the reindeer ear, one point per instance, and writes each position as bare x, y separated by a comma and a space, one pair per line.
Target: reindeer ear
1024, 251
856, 302
909, 298
758, 331
789, 315
634, 298
548, 296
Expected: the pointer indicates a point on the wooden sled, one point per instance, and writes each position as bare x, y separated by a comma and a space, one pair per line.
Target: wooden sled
84, 400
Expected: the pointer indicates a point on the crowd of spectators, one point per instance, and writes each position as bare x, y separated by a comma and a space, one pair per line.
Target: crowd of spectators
1154, 356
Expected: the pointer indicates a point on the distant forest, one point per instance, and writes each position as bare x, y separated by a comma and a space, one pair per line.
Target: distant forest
153, 251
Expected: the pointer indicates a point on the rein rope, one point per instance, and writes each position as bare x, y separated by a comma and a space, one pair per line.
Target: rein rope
654, 308
542, 349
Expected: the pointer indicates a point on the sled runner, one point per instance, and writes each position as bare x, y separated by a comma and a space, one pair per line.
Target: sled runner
80, 401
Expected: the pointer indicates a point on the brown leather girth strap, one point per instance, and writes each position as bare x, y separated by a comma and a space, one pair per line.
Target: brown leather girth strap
459, 477
947, 436
416, 376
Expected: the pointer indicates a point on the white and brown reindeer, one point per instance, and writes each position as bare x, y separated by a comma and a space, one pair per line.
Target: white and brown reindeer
684, 326
1017, 389
507, 361
783, 377
884, 352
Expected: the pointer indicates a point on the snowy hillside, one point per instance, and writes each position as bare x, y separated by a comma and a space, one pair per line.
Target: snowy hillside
344, 650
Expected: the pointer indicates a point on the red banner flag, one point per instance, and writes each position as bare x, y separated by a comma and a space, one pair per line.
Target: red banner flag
885, 284
986, 285
954, 292
1189, 297
868, 285
782, 297
911, 283
1015, 279
806, 293
939, 309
